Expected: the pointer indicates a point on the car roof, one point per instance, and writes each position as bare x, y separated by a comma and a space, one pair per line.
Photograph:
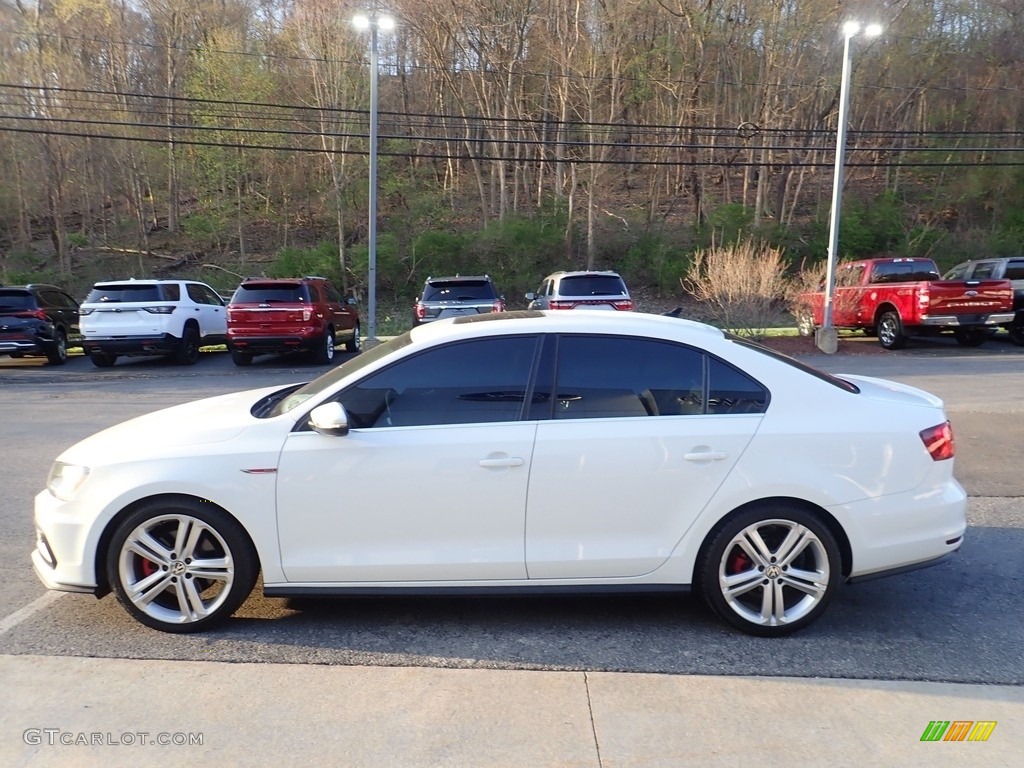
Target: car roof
585, 272
451, 278
577, 321
145, 281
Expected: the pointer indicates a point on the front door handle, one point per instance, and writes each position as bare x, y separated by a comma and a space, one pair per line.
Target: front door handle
508, 461
705, 456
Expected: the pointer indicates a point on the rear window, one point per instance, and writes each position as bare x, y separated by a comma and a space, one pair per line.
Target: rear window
810, 369
119, 294
17, 300
592, 285
903, 272
458, 290
1015, 270
270, 293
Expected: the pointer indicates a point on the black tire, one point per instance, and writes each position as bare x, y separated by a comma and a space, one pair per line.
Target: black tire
187, 352
774, 583
1017, 334
102, 360
241, 358
355, 344
58, 354
971, 337
209, 593
324, 352
890, 331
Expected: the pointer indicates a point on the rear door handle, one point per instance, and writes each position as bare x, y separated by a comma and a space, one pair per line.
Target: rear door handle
508, 461
705, 456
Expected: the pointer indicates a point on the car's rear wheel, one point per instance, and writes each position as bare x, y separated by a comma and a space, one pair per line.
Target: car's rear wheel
241, 358
1017, 334
890, 331
188, 348
971, 337
355, 344
181, 565
325, 350
770, 571
102, 360
58, 354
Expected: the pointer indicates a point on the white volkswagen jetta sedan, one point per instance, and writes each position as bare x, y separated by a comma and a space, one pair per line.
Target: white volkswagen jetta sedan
578, 451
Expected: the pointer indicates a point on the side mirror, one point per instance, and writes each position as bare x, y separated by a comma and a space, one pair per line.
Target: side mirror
329, 419
352, 301
531, 296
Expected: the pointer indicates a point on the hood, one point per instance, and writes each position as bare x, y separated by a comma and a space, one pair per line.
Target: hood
211, 420
892, 391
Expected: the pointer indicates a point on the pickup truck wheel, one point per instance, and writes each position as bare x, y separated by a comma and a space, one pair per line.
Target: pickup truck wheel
805, 323
241, 358
970, 337
890, 331
1017, 334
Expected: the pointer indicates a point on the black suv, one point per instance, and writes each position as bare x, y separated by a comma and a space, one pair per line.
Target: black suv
37, 320
457, 296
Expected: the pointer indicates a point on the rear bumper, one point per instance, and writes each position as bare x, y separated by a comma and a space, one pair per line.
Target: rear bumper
964, 321
24, 346
265, 345
164, 344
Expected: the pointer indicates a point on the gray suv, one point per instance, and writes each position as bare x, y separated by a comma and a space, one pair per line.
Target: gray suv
456, 296
1007, 268
582, 290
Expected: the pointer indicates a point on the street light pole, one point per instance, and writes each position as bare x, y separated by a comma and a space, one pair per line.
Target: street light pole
827, 339
374, 22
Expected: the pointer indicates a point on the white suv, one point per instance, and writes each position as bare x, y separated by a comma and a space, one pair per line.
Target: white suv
151, 317
581, 290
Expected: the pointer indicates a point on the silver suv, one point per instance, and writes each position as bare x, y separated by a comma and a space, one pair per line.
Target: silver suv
456, 296
582, 290
151, 317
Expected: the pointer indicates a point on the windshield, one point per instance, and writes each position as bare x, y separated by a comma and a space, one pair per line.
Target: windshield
332, 377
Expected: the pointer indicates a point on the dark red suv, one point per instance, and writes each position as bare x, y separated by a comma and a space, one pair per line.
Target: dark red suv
272, 316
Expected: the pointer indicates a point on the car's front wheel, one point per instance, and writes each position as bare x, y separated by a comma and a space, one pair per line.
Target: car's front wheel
771, 570
181, 565
355, 344
58, 354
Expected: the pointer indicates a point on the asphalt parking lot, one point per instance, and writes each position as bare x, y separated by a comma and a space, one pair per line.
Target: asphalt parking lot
946, 642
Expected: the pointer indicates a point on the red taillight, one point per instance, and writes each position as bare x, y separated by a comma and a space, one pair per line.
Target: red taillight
561, 305
420, 310
38, 314
307, 314
939, 441
625, 305
498, 306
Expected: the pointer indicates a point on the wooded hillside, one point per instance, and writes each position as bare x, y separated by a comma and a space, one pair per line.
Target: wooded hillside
517, 136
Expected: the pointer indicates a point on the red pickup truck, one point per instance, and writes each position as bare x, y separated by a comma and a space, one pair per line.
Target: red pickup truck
895, 298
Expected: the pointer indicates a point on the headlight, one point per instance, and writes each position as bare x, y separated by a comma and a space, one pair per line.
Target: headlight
65, 479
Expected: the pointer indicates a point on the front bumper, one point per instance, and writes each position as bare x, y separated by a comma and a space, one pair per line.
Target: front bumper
64, 558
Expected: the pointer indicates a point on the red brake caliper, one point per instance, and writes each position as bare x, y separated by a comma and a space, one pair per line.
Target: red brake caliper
147, 567
739, 561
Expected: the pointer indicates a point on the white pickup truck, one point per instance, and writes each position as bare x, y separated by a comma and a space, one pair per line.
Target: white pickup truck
1011, 269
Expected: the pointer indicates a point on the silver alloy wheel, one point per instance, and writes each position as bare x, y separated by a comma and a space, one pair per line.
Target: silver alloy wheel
774, 572
176, 569
887, 330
